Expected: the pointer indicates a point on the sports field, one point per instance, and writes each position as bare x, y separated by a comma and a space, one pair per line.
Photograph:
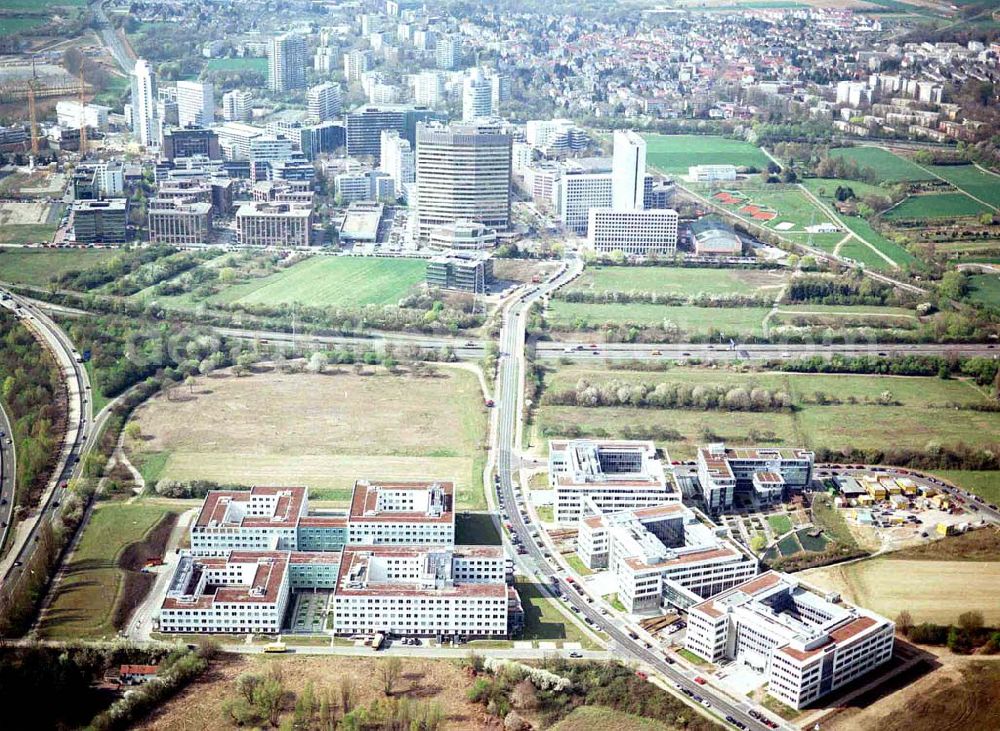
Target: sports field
237, 64
584, 316
84, 601
932, 591
936, 205
323, 431
922, 415
687, 282
676, 153
888, 166
985, 289
332, 281
983, 185
38, 266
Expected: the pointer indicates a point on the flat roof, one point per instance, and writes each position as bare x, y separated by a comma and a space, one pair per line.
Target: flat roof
365, 502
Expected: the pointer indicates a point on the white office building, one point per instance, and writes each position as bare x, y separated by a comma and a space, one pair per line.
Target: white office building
235, 139
662, 555
397, 160
612, 475
578, 190
237, 105
260, 519
632, 232
145, 122
711, 173
73, 115
423, 590
805, 643
402, 513
477, 95
761, 473
195, 104
283, 225
462, 173
628, 172
428, 89
325, 101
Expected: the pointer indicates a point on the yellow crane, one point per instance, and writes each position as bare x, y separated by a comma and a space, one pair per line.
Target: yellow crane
83, 119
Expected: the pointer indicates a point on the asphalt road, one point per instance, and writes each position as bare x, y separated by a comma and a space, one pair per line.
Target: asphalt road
508, 392
8, 469
76, 443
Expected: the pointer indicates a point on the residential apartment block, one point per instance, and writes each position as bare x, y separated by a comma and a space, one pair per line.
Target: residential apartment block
179, 222
274, 224
762, 473
807, 644
663, 555
613, 475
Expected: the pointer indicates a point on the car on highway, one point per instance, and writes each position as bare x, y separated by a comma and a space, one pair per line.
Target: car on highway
576, 654
700, 680
490, 403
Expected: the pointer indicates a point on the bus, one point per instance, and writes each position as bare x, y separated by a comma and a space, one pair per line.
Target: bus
276, 647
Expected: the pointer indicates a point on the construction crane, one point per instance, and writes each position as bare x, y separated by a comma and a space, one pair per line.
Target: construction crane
83, 119
34, 120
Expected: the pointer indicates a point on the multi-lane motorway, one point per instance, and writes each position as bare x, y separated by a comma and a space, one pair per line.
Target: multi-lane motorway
75, 445
8, 469
507, 398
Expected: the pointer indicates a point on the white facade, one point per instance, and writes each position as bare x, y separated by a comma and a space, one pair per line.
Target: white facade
711, 173
73, 115
663, 555
397, 160
614, 475
356, 63
628, 172
428, 89
237, 105
477, 96
145, 123
422, 591
806, 644
462, 174
401, 513
325, 101
286, 62
448, 52
195, 104
577, 194
764, 472
634, 233
274, 224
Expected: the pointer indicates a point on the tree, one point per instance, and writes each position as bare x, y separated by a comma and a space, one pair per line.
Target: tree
347, 693
133, 431
524, 696
904, 622
189, 382
246, 685
758, 542
206, 366
388, 672
970, 621
317, 363
269, 696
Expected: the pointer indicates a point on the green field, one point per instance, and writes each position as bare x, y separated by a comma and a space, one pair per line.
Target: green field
923, 414
542, 618
984, 484
687, 282
27, 233
581, 316
476, 529
894, 251
676, 153
331, 281
237, 64
888, 167
984, 186
985, 289
15, 25
37, 267
827, 187
936, 205
85, 599
780, 524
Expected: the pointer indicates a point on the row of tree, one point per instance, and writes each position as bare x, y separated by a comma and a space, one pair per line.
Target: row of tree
669, 396
702, 299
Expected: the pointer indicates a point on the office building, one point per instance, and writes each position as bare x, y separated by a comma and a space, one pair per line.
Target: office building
274, 224
628, 171
361, 222
611, 475
462, 236
73, 115
366, 124
462, 173
190, 142
325, 102
98, 180
286, 62
237, 105
448, 52
402, 513
662, 556
805, 643
760, 473
428, 89
711, 173
466, 271
422, 590
195, 104
577, 191
356, 64
235, 139
325, 59
632, 232
145, 123
477, 96
500, 90
100, 221
397, 160
176, 221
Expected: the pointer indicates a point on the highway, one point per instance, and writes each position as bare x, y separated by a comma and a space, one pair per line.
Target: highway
8, 472
508, 396
75, 445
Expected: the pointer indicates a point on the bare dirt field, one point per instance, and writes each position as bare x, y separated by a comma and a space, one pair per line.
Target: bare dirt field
961, 693
932, 591
322, 431
440, 682
23, 213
